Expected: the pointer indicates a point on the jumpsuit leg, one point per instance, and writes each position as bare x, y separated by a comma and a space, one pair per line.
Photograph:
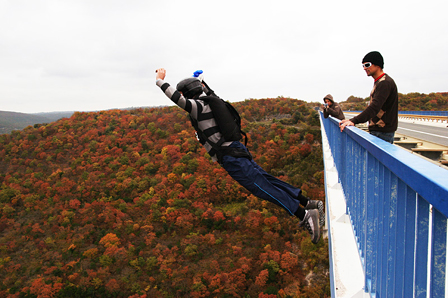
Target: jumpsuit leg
260, 183
285, 186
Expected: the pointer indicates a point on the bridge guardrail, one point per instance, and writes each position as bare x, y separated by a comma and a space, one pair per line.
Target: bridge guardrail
423, 117
398, 208
436, 116
421, 113
425, 113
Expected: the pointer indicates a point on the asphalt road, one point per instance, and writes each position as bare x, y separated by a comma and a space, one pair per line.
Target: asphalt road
434, 134
437, 134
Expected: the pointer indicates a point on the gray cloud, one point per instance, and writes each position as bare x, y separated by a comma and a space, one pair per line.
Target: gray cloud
93, 55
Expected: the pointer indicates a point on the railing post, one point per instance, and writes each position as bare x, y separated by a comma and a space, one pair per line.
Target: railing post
400, 239
371, 226
421, 249
438, 254
409, 238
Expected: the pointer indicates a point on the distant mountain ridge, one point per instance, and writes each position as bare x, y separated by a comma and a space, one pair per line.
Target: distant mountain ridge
10, 121
414, 101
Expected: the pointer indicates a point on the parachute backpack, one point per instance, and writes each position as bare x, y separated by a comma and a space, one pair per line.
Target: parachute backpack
226, 116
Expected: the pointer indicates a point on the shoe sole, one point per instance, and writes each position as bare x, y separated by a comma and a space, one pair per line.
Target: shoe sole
315, 233
320, 208
317, 230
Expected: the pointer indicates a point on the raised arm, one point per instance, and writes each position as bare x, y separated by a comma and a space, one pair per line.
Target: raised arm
188, 105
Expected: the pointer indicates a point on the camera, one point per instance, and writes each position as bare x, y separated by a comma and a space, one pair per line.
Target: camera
326, 105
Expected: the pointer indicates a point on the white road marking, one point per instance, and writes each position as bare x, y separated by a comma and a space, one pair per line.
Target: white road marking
430, 134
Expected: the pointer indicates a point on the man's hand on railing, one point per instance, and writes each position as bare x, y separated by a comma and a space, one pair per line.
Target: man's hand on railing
345, 123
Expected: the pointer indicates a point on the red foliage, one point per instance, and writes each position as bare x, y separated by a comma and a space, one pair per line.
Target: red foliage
129, 203
43, 290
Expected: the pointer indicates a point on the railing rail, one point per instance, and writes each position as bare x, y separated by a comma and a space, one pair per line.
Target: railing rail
425, 113
398, 207
421, 113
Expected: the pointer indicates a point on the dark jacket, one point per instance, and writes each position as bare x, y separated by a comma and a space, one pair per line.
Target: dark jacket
333, 110
382, 112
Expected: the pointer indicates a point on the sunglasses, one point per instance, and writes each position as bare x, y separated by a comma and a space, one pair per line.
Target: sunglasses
367, 64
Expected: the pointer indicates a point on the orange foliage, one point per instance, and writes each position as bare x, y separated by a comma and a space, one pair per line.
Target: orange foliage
110, 240
127, 203
262, 278
43, 290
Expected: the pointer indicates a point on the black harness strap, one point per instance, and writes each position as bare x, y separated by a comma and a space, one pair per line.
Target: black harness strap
217, 147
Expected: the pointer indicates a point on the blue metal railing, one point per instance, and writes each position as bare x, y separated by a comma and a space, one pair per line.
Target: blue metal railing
398, 206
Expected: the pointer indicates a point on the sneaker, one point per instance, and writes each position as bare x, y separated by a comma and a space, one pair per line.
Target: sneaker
311, 223
315, 204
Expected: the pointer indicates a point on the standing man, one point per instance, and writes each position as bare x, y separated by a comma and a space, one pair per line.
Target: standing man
191, 95
332, 108
382, 112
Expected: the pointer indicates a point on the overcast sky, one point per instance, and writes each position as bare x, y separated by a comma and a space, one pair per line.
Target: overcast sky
85, 55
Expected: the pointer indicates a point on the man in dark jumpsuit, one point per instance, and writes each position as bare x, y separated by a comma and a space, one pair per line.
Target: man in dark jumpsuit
242, 168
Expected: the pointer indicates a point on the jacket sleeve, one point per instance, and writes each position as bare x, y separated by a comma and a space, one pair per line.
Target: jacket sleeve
333, 112
188, 105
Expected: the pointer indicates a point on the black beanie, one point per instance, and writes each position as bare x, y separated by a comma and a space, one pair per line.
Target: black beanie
374, 57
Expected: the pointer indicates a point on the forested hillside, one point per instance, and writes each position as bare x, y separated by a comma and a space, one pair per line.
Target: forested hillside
406, 102
10, 121
127, 203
